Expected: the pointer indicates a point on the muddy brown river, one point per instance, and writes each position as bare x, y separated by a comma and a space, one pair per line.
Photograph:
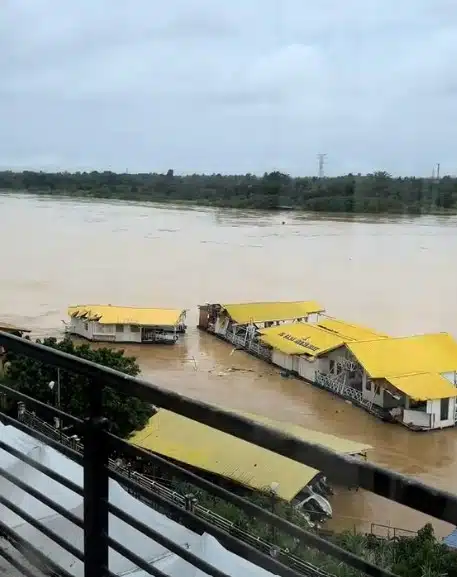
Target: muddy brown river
396, 275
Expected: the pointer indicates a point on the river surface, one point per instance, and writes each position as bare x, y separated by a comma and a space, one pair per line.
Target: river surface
396, 275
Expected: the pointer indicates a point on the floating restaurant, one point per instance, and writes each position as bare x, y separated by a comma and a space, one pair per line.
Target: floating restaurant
114, 324
240, 323
242, 464
409, 380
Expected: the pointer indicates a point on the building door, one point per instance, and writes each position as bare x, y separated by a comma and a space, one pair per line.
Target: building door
444, 410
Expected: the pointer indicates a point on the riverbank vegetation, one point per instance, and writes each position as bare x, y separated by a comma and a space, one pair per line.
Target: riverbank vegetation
32, 378
372, 193
420, 555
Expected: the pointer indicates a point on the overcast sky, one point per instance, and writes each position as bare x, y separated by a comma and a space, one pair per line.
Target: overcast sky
229, 86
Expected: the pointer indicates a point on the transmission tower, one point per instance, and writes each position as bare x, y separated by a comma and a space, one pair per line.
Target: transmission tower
321, 161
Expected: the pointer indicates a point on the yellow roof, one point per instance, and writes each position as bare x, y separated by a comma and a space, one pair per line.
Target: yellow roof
199, 446
393, 357
301, 338
424, 386
7, 328
280, 311
337, 444
114, 315
349, 331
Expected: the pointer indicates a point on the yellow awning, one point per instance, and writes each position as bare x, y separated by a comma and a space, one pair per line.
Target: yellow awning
391, 357
349, 331
114, 315
245, 313
210, 450
301, 338
424, 386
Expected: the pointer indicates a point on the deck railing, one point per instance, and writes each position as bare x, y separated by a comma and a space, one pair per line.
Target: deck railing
98, 444
180, 499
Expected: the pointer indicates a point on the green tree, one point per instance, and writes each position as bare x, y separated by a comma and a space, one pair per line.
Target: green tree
424, 556
126, 414
376, 193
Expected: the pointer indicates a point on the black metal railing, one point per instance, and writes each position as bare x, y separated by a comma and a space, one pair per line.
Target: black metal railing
98, 444
162, 490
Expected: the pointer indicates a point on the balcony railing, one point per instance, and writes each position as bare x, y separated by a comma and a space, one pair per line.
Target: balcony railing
98, 444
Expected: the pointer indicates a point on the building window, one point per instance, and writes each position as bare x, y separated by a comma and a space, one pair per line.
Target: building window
119, 328
418, 405
368, 385
444, 413
86, 326
134, 329
352, 374
332, 366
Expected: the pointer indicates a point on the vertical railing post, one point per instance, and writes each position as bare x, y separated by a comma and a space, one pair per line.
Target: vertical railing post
96, 487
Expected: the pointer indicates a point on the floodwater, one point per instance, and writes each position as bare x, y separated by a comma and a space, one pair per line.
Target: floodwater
394, 274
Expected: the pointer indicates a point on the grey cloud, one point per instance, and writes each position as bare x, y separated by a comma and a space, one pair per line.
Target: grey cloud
239, 86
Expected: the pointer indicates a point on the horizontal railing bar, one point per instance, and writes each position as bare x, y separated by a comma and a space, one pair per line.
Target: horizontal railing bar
42, 498
42, 528
167, 543
23, 570
235, 545
61, 448
43, 469
139, 562
49, 410
344, 469
307, 537
31, 553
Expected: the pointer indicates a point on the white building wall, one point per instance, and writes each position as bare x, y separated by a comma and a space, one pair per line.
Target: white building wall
103, 333
282, 360
96, 331
417, 418
124, 334
371, 392
221, 325
82, 327
307, 368
451, 377
295, 363
434, 409
336, 354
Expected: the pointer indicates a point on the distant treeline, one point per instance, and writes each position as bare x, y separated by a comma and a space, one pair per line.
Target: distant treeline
371, 193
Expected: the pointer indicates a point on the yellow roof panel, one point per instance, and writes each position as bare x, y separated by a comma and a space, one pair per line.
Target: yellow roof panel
245, 313
424, 386
337, 444
301, 338
349, 331
205, 448
114, 315
393, 357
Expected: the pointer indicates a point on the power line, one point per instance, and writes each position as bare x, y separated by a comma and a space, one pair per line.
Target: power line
321, 160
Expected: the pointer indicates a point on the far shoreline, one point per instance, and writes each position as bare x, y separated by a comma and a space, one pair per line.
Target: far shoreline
374, 194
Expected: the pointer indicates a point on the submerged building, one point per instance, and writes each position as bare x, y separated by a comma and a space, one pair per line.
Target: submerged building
115, 324
235, 461
414, 379
408, 380
240, 323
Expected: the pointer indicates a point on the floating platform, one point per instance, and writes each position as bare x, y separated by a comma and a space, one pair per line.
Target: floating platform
211, 451
115, 324
407, 380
